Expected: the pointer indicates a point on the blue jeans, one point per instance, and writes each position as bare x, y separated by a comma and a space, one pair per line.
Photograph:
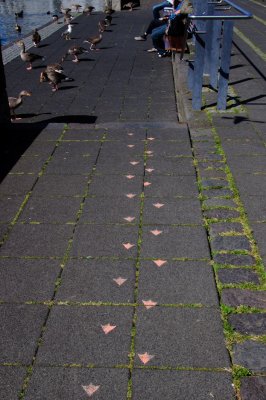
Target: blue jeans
157, 38
158, 7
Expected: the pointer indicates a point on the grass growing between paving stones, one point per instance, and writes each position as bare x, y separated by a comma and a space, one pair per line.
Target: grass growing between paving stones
232, 337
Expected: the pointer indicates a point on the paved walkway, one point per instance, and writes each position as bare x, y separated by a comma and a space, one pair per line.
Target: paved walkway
123, 229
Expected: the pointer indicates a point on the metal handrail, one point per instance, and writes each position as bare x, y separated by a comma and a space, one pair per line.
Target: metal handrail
244, 14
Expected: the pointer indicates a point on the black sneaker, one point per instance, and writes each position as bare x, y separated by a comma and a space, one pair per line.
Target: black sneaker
140, 38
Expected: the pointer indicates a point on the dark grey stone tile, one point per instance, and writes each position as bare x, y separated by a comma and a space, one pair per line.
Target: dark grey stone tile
234, 259
38, 148
218, 202
171, 186
17, 184
75, 335
244, 148
3, 230
20, 330
219, 243
51, 210
165, 211
115, 185
111, 148
217, 192
177, 282
220, 213
255, 207
215, 183
237, 297
179, 242
259, 232
27, 280
238, 275
251, 355
249, 324
247, 163
249, 184
92, 281
29, 165
74, 148
11, 381
212, 173
104, 240
130, 166
61, 185
224, 227
72, 383
84, 134
71, 164
111, 210
253, 388
37, 240
181, 385
170, 166
162, 149
9, 206
181, 337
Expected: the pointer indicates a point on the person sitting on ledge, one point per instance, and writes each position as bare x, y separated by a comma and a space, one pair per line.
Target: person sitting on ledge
157, 29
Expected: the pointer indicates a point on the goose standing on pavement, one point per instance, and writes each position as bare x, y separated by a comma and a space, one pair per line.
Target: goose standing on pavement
102, 24
54, 77
88, 10
93, 41
27, 56
36, 38
15, 102
75, 51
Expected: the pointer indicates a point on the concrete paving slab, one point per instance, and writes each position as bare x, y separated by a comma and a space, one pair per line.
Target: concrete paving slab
238, 297
104, 240
187, 282
74, 335
175, 242
169, 186
115, 185
106, 281
195, 339
9, 206
259, 232
171, 166
77, 383
29, 165
20, 330
11, 381
169, 149
104, 210
37, 241
133, 165
17, 184
237, 275
71, 164
52, 210
165, 211
193, 385
61, 185
27, 280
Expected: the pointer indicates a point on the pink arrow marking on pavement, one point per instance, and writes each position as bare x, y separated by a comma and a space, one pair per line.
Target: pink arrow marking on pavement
128, 245
145, 358
149, 169
130, 176
149, 152
156, 232
147, 183
130, 146
129, 219
108, 328
151, 138
130, 134
131, 195
90, 389
134, 162
158, 205
149, 303
160, 263
120, 281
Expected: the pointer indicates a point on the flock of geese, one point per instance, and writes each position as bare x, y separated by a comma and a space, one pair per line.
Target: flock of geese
54, 73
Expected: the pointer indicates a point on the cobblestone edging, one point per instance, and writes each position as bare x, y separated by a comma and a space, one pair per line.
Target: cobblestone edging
237, 264
13, 50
